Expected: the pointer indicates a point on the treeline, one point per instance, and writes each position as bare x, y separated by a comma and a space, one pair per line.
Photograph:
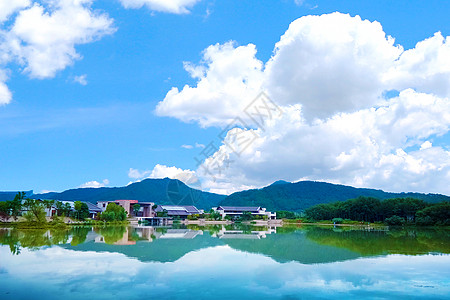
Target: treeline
395, 211
36, 210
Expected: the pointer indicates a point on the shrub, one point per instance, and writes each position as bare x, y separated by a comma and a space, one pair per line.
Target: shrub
338, 220
395, 221
424, 221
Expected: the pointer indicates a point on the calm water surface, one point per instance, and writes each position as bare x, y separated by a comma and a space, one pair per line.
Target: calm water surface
224, 263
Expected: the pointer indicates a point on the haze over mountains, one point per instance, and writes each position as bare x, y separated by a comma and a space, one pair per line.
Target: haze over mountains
280, 195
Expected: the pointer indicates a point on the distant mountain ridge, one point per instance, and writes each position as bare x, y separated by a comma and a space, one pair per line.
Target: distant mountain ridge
282, 195
161, 191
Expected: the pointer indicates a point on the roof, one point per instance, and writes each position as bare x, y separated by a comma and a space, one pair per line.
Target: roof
92, 207
177, 213
240, 208
131, 201
191, 209
180, 210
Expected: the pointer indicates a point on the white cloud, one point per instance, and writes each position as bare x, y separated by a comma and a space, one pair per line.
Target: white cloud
228, 77
5, 93
363, 149
136, 174
329, 64
82, 79
329, 74
41, 37
187, 176
168, 6
197, 145
161, 171
426, 67
95, 184
44, 38
9, 7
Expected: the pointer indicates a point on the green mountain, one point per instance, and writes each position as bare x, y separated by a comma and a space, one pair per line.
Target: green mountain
303, 194
161, 191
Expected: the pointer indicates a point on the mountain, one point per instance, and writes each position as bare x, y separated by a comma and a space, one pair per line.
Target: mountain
161, 191
298, 196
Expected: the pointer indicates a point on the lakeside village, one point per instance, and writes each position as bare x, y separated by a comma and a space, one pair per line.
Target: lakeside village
21, 207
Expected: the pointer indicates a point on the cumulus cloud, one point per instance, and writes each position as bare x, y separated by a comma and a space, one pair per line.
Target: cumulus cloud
330, 63
328, 74
44, 38
168, 6
227, 77
9, 7
41, 36
161, 171
136, 174
95, 184
365, 149
426, 67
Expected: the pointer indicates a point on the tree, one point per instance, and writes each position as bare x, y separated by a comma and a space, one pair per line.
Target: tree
136, 208
113, 212
395, 221
48, 204
4, 210
246, 216
36, 211
67, 208
81, 210
162, 214
16, 205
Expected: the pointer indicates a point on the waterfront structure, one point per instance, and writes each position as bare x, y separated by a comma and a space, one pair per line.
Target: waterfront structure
177, 211
238, 211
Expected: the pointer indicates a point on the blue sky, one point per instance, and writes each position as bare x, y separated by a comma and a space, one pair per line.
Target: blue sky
93, 119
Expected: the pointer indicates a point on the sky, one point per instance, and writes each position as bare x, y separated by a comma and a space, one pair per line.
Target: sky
224, 95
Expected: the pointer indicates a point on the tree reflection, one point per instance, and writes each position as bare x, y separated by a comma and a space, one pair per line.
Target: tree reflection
409, 241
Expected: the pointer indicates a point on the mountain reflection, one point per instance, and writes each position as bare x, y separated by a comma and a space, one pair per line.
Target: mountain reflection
307, 245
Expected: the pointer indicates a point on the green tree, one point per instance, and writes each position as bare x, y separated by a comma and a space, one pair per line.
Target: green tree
16, 205
48, 204
4, 210
136, 208
113, 212
246, 216
284, 214
81, 210
36, 211
395, 221
162, 214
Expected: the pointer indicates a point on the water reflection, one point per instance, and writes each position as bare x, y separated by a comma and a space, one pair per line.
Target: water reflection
223, 262
308, 244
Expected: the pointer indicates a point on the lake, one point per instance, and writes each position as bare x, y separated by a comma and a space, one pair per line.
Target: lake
224, 262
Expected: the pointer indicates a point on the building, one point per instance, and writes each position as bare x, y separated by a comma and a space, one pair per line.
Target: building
93, 209
145, 209
237, 211
178, 211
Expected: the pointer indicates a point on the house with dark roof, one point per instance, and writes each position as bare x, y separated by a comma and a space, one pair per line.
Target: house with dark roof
237, 211
178, 211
